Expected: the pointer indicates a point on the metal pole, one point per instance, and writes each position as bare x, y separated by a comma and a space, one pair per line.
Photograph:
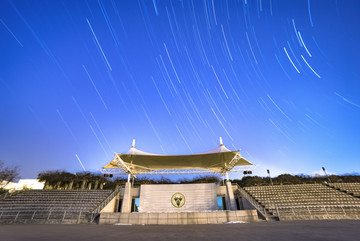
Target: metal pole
129, 176
277, 210
63, 216
309, 211
343, 210
78, 222
16, 216
227, 176
323, 168
326, 210
292, 209
268, 171
32, 217
48, 216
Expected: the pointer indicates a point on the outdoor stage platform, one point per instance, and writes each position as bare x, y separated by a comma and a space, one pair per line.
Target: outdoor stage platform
171, 204
200, 203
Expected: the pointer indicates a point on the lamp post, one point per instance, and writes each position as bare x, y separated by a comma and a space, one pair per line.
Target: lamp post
323, 168
268, 171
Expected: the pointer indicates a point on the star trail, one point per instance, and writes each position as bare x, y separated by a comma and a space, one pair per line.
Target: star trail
278, 80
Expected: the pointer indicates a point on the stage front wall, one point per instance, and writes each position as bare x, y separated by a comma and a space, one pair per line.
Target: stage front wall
198, 197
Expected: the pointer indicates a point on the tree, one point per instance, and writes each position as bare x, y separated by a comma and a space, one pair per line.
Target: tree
7, 174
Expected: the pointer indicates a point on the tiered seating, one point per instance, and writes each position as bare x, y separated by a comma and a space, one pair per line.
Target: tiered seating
46, 205
306, 201
350, 188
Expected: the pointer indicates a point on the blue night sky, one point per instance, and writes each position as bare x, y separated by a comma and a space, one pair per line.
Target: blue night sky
277, 79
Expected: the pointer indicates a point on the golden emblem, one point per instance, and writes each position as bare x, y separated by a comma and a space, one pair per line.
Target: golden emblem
178, 200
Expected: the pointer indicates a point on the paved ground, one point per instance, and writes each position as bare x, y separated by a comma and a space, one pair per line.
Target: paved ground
290, 230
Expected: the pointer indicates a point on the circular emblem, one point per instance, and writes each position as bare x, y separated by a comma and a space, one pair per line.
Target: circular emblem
178, 200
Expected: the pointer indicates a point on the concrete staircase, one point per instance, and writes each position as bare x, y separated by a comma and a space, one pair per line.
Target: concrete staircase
53, 206
305, 202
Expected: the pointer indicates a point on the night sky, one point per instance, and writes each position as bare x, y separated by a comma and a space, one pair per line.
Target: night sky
278, 80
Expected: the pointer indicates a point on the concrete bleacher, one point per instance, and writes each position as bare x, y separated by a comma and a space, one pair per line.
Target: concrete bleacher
349, 188
306, 201
51, 206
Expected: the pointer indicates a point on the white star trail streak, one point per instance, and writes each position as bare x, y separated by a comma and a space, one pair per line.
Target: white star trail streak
252, 52
286, 74
312, 25
172, 65
296, 32
302, 41
67, 127
101, 132
291, 61
182, 136
282, 112
347, 100
217, 78
97, 41
155, 7
97, 91
222, 125
272, 122
8, 29
213, 7
80, 162
227, 46
310, 67
162, 99
101, 145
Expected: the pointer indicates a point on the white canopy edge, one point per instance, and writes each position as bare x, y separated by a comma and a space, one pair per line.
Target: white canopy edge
134, 151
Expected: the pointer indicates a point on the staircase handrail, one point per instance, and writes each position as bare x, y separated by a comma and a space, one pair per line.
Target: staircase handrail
253, 202
105, 202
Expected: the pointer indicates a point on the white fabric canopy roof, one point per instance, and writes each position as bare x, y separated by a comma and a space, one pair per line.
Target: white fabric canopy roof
219, 159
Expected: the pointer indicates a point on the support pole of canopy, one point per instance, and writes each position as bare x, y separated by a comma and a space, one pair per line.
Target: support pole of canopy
229, 198
221, 142
127, 198
133, 143
129, 175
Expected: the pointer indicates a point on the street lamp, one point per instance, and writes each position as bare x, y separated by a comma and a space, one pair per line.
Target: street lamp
323, 168
268, 171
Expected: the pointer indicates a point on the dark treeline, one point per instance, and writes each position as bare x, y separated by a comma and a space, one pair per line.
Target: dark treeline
66, 180
285, 179
88, 180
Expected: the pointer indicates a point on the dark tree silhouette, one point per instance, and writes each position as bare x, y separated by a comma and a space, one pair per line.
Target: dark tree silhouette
7, 175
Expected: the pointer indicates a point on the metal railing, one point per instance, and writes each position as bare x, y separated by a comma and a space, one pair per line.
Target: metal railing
96, 211
9, 194
313, 211
253, 202
45, 216
3, 196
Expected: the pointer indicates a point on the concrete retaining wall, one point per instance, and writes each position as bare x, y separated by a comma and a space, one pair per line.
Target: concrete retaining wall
179, 218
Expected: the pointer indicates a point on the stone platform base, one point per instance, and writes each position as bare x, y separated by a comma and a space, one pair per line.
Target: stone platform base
179, 218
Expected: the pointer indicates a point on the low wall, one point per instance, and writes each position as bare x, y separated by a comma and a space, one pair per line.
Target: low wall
179, 218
